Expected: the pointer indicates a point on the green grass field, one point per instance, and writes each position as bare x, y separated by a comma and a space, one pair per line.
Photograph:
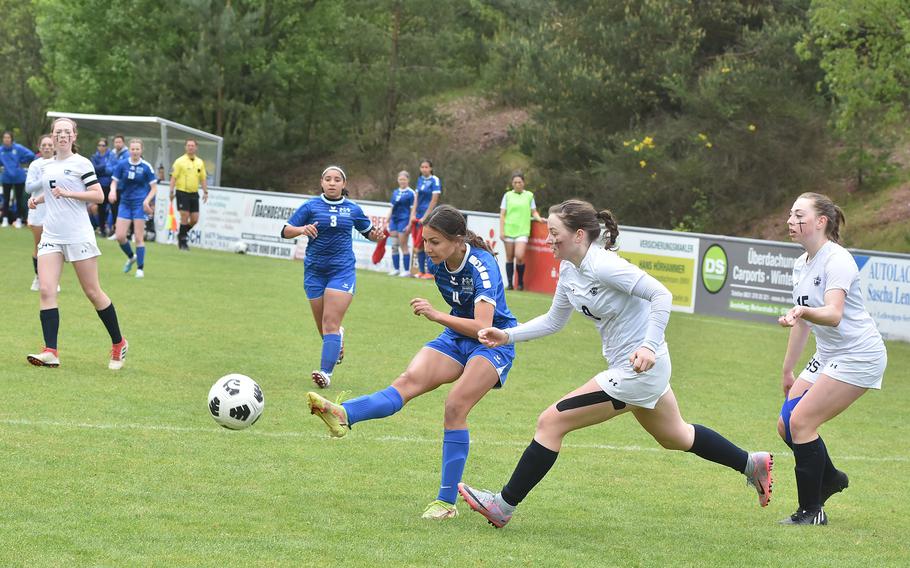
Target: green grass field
128, 469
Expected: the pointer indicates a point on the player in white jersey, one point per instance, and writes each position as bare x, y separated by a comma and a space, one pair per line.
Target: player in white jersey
850, 355
69, 183
33, 188
630, 309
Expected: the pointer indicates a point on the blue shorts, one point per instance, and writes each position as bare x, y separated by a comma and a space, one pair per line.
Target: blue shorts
399, 225
462, 349
129, 210
315, 283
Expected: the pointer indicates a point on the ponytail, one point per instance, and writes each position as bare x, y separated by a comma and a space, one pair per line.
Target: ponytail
825, 207
611, 229
477, 241
453, 225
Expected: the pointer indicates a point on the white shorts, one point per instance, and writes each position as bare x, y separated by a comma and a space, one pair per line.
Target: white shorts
638, 389
36, 215
515, 239
865, 371
71, 252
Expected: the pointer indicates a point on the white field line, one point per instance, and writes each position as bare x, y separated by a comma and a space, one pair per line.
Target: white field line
393, 439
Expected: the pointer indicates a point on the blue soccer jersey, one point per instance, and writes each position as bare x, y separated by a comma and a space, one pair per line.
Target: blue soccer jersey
402, 201
477, 280
332, 249
426, 187
133, 180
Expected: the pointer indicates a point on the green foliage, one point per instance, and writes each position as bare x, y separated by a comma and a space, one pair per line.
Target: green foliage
23, 84
863, 49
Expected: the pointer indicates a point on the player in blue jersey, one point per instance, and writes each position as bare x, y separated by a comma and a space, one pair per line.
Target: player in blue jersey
328, 267
399, 224
135, 182
469, 280
429, 189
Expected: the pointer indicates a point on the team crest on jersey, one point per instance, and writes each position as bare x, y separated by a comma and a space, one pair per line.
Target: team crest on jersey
817, 281
467, 281
67, 172
594, 291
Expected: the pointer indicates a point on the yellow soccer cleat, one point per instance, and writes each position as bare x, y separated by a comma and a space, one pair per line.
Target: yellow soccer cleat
439, 511
334, 415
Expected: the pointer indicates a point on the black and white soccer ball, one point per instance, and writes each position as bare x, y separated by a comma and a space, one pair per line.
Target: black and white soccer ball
240, 247
236, 401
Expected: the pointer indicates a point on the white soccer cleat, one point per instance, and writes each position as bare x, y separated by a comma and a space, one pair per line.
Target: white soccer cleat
5, 222
393, 272
322, 380
404, 274
46, 358
17, 224
118, 354
36, 285
140, 273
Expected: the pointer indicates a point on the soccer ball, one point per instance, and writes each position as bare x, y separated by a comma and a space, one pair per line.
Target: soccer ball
236, 401
239, 247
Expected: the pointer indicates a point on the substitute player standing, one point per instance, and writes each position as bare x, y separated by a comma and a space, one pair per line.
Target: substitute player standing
70, 182
630, 309
328, 267
134, 181
468, 278
399, 225
187, 176
429, 188
850, 356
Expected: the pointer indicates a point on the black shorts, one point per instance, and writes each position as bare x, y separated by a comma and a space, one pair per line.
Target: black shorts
188, 201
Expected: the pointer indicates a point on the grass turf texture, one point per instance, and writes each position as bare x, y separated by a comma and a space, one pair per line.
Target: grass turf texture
128, 468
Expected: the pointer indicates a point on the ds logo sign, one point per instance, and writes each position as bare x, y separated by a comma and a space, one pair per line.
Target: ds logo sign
714, 269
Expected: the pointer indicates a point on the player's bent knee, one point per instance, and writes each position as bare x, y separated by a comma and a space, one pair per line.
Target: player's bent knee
781, 428
800, 426
456, 410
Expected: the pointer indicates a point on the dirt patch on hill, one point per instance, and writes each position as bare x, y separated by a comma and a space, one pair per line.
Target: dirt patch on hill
475, 124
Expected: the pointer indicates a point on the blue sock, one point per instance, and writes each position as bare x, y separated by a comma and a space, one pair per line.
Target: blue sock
407, 263
140, 257
331, 347
127, 249
371, 406
455, 444
396, 261
422, 261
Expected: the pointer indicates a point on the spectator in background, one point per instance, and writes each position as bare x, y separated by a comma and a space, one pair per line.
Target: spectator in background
429, 189
515, 214
13, 156
187, 174
103, 160
399, 225
119, 152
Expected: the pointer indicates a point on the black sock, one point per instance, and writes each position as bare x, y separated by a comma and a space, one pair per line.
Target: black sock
521, 274
510, 270
830, 471
712, 446
534, 464
109, 316
50, 323
35, 264
810, 465
184, 229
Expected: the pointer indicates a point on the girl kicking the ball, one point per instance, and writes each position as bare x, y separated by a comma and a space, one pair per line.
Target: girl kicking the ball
468, 277
631, 310
850, 356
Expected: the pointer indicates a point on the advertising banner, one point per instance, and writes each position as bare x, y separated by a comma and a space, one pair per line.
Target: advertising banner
669, 258
750, 280
886, 289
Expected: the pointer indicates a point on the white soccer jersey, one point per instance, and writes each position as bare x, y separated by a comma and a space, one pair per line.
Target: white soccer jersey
833, 268
33, 178
600, 288
67, 220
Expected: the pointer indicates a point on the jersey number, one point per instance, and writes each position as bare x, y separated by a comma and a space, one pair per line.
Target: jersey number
804, 302
52, 183
333, 221
587, 312
812, 367
456, 296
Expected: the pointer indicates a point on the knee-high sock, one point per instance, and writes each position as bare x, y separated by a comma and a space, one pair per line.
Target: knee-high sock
455, 446
140, 257
422, 261
712, 446
50, 324
406, 265
127, 249
396, 260
35, 264
785, 412
534, 464
810, 466
109, 316
372, 406
331, 347
510, 273
430, 265
521, 274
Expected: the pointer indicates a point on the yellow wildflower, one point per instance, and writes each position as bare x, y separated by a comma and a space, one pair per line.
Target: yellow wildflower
648, 141
626, 143
752, 128
702, 136
642, 163
725, 70
709, 145
637, 147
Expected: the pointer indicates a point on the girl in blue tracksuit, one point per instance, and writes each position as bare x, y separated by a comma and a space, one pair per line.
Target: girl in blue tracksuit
104, 162
13, 156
